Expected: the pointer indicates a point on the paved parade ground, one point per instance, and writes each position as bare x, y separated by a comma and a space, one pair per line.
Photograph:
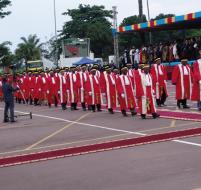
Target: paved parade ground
167, 163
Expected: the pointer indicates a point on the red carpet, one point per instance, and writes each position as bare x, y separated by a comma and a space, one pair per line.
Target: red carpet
180, 115
53, 154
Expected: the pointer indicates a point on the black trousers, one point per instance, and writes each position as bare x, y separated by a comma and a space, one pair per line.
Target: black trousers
9, 106
162, 99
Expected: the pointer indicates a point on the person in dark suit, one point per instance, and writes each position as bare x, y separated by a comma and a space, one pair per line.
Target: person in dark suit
8, 97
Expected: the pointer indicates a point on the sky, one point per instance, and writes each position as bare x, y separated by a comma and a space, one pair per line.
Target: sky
37, 16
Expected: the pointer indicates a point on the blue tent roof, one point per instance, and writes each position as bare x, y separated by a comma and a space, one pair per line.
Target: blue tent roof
85, 60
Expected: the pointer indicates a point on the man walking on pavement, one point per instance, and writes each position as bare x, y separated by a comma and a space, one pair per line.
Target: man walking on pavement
8, 96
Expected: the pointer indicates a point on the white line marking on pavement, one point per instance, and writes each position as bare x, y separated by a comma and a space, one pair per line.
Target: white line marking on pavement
108, 128
186, 142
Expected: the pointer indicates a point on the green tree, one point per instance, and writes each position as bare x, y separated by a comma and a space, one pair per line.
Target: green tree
90, 22
3, 5
29, 49
6, 56
127, 40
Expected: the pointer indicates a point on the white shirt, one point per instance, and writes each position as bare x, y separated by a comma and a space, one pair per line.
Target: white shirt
147, 80
185, 70
127, 82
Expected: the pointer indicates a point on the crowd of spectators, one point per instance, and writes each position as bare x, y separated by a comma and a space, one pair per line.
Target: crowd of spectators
168, 52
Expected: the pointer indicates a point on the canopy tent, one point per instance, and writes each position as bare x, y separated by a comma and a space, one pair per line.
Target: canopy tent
191, 20
84, 60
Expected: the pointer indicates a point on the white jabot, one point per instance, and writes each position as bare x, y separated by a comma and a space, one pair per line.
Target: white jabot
64, 79
53, 81
147, 80
130, 73
112, 79
160, 70
96, 79
127, 82
74, 77
43, 79
185, 70
85, 77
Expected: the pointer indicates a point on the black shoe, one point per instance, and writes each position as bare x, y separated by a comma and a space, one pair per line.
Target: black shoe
84, 107
64, 108
143, 116
89, 108
155, 115
124, 113
186, 107
133, 113
178, 105
75, 106
98, 107
5, 121
13, 121
93, 108
111, 111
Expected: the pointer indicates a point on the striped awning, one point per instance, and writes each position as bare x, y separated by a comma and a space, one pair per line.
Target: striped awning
191, 18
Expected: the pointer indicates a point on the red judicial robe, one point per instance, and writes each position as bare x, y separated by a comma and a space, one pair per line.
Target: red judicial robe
73, 85
53, 88
82, 77
63, 89
182, 78
108, 86
145, 93
44, 88
196, 90
30, 86
126, 92
159, 77
93, 91
37, 87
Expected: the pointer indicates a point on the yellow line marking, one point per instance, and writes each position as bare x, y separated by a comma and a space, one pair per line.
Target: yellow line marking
197, 189
75, 142
56, 132
172, 125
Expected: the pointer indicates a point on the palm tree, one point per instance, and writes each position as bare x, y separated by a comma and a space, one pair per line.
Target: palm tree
29, 49
6, 56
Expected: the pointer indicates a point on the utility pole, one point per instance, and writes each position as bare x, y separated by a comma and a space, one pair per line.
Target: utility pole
55, 28
140, 10
115, 36
142, 35
150, 36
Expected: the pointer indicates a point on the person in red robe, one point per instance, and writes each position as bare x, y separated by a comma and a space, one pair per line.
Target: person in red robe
83, 76
196, 90
44, 87
93, 91
52, 91
108, 88
73, 85
159, 76
126, 93
182, 77
37, 88
21, 91
30, 87
145, 93
63, 90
